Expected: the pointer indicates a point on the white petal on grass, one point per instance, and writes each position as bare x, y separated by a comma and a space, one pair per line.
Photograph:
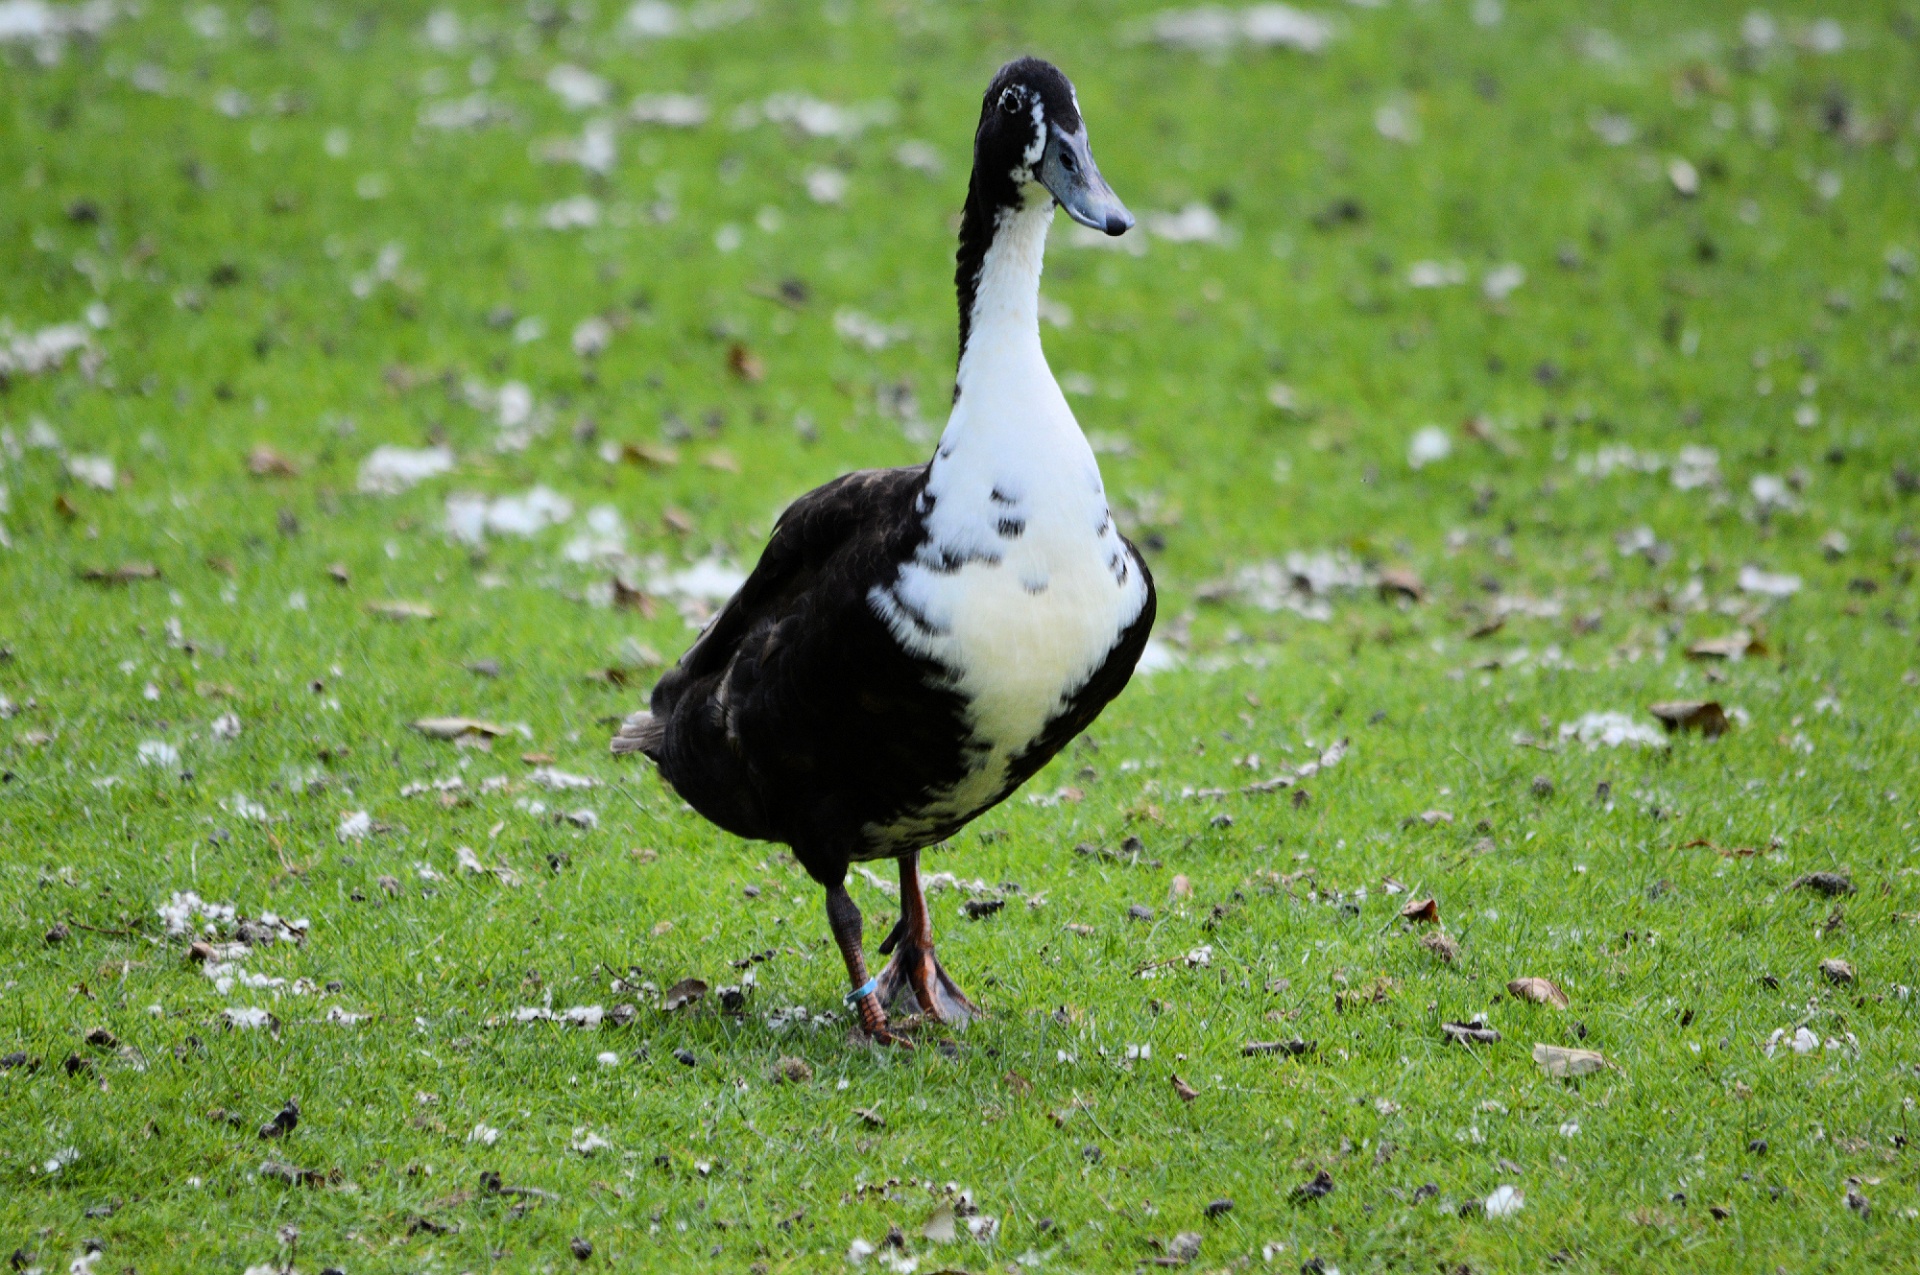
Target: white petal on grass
45, 350
471, 518
1684, 176
866, 331
484, 1135
580, 212
1768, 584
591, 337
921, 156
1501, 282
97, 472
605, 538
1195, 223
585, 1140
1157, 657
658, 20
241, 806
389, 470
158, 752
476, 110
1771, 493
826, 185
1397, 122
577, 87
1428, 445
1505, 1201
354, 826
185, 912
1613, 128
557, 780
246, 1018
708, 580
1695, 467
226, 726
1214, 29
816, 118
669, 110
1612, 730
1436, 274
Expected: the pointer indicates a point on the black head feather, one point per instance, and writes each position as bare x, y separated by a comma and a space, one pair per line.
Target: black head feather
1025, 98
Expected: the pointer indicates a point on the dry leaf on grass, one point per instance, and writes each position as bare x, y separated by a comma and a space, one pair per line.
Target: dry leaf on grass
125, 573
651, 455
1705, 716
1559, 1061
1401, 582
265, 462
745, 364
1836, 971
1827, 883
1538, 990
1733, 646
401, 610
455, 727
1424, 911
687, 991
1186, 1091
1318, 1187
1441, 945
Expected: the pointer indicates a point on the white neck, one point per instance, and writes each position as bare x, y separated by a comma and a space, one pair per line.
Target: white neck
1005, 322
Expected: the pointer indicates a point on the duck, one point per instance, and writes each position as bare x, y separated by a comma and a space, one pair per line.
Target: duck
915, 643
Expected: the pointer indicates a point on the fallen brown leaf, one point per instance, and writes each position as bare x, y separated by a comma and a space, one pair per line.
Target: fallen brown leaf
1441, 945
721, 459
1424, 911
125, 573
1561, 1062
1186, 1091
652, 455
1827, 883
1538, 990
1733, 646
1836, 971
1402, 582
1705, 716
264, 462
745, 364
687, 991
455, 727
401, 610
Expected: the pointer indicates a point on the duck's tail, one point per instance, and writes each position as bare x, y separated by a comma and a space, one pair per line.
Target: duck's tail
640, 733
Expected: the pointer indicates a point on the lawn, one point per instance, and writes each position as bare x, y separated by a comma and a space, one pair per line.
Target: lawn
387, 391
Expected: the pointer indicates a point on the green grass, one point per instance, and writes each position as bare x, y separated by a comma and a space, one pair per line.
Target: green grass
226, 250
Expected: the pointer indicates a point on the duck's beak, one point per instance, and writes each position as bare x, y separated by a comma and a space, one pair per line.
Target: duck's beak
1067, 169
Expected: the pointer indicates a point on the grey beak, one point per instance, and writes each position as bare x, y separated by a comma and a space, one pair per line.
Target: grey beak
1067, 169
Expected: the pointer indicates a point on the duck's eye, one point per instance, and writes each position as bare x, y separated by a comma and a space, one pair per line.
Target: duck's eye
1010, 100
1067, 161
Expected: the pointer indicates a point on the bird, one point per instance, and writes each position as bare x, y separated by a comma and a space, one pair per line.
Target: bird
915, 643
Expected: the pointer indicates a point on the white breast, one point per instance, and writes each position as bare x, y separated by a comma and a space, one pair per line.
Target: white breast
1025, 586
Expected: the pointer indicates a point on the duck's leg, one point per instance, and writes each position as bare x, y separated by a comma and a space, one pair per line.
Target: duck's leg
844, 919
913, 969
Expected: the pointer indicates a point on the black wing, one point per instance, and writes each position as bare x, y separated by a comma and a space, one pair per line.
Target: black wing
796, 716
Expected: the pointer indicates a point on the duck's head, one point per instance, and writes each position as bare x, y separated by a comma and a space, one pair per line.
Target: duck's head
1031, 131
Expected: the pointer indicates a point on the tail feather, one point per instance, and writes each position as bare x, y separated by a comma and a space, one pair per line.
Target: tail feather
640, 733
